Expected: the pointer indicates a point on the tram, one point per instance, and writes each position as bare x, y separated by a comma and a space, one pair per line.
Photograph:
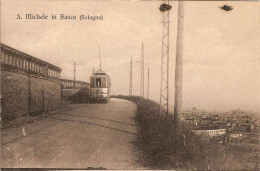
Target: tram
100, 87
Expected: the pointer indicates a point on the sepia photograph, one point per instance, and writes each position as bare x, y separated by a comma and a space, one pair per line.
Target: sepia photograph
130, 85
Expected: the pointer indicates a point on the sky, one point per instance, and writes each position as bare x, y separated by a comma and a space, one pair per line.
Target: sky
221, 69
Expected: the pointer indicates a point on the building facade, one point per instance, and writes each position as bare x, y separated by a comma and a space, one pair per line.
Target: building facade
210, 132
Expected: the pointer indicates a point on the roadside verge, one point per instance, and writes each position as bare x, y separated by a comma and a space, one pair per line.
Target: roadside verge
162, 148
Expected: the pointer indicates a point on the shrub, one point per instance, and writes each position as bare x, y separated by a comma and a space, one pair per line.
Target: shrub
161, 147
81, 96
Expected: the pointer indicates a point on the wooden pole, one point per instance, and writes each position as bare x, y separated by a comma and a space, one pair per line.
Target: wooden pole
148, 80
99, 59
178, 69
142, 71
74, 79
130, 81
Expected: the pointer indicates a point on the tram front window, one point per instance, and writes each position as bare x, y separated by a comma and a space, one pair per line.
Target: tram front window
98, 82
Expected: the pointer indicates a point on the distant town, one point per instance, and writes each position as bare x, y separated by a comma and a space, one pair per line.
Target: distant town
235, 125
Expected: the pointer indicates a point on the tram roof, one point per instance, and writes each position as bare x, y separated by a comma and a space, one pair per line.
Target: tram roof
100, 73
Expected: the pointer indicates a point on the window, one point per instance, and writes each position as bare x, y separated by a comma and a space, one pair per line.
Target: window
92, 82
103, 82
98, 82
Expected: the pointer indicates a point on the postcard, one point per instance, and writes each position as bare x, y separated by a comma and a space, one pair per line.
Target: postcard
130, 85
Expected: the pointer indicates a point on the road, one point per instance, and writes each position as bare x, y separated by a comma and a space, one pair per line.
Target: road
89, 135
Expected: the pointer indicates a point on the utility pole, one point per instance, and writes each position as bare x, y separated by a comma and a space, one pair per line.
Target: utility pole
178, 69
148, 80
131, 77
142, 72
164, 88
74, 80
99, 59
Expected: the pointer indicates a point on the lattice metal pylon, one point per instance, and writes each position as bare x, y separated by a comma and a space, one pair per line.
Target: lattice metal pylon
164, 89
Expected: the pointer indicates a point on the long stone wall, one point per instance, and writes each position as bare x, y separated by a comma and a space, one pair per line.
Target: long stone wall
70, 87
28, 85
71, 84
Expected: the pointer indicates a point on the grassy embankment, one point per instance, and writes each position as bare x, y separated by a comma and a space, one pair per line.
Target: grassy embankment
161, 148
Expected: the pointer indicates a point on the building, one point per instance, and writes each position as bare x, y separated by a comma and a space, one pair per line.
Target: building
236, 134
191, 122
206, 121
246, 127
210, 132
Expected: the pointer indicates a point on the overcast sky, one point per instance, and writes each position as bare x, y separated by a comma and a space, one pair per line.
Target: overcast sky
221, 49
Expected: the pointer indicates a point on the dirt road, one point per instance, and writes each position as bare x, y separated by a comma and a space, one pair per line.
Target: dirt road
89, 135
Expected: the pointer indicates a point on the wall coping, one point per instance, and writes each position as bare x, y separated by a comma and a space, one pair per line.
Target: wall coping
75, 81
27, 56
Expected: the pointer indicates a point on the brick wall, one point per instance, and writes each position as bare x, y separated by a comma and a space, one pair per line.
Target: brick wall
14, 98
28, 85
17, 88
45, 94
